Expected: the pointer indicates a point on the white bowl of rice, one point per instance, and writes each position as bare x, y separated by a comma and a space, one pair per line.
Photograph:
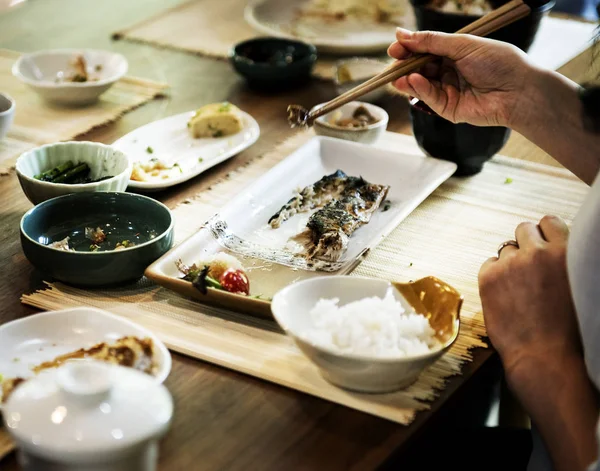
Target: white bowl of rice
369, 335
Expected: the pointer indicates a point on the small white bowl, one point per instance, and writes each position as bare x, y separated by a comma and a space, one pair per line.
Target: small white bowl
7, 114
430, 297
41, 71
103, 161
324, 125
352, 72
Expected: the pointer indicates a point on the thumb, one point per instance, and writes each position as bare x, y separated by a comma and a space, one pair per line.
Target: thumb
451, 46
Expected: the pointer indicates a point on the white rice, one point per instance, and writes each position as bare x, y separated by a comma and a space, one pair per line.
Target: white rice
372, 327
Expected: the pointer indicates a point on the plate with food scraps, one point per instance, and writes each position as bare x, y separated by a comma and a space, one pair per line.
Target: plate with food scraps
49, 339
318, 211
350, 27
175, 149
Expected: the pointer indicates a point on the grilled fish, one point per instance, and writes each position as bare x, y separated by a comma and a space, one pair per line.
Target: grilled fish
316, 195
329, 229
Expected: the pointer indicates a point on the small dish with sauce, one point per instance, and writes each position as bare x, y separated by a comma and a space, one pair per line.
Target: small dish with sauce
356, 121
274, 62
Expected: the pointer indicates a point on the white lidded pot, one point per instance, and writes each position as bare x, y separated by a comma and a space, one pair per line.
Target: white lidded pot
91, 416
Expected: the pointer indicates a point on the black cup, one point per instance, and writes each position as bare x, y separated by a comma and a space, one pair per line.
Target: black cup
469, 146
520, 33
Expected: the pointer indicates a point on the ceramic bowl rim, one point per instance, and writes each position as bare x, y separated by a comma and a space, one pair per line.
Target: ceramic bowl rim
309, 59
120, 73
354, 356
119, 194
382, 122
12, 106
67, 186
548, 5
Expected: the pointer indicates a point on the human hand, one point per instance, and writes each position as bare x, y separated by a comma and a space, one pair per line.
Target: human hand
477, 81
526, 298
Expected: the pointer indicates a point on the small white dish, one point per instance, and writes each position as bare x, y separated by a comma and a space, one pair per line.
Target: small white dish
325, 125
7, 114
28, 342
292, 305
170, 141
91, 416
45, 73
103, 161
350, 73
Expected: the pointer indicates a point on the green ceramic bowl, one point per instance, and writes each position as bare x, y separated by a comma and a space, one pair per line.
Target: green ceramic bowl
142, 221
274, 63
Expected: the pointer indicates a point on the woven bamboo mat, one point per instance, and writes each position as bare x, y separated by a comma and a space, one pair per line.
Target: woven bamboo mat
208, 28
37, 123
211, 27
449, 236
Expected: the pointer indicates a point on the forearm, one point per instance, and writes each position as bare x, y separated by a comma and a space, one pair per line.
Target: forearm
551, 116
562, 403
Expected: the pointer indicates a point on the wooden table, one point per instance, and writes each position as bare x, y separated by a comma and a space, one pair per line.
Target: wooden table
223, 420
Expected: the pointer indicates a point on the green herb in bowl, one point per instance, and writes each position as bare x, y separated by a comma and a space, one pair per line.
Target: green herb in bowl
69, 173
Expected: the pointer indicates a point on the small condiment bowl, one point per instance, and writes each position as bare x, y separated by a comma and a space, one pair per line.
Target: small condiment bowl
138, 219
274, 63
7, 114
429, 297
325, 125
103, 161
43, 70
350, 73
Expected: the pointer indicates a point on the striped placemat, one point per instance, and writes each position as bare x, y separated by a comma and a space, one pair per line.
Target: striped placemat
37, 123
449, 236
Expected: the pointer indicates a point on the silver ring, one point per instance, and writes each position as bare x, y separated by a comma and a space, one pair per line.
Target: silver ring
506, 244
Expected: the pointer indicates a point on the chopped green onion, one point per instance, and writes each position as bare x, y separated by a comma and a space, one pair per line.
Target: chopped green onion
150, 150
508, 181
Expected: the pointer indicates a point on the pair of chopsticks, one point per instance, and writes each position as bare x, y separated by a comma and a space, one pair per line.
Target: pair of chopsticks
487, 24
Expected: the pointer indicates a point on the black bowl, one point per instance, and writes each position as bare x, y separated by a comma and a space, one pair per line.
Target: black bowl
469, 146
123, 216
520, 33
466, 145
274, 63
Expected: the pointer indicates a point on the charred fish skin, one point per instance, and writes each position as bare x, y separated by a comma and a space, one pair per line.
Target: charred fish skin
329, 229
313, 196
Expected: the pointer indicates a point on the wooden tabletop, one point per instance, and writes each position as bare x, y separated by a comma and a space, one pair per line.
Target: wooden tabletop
223, 420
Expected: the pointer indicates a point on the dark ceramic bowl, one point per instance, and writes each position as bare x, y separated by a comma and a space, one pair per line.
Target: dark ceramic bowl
521, 33
469, 146
466, 145
122, 216
274, 63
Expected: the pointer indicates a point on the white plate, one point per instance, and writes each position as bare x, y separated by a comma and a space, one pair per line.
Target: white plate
279, 18
411, 177
171, 142
25, 343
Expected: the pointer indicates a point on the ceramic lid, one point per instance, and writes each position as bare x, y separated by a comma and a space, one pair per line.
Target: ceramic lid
87, 408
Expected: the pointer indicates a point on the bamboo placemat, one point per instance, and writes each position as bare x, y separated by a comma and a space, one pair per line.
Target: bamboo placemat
37, 123
208, 28
449, 235
211, 27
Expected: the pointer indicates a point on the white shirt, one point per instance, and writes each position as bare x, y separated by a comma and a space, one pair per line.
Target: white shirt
583, 266
583, 263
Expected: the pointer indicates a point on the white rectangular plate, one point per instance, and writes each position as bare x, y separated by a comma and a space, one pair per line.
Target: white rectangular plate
411, 179
171, 142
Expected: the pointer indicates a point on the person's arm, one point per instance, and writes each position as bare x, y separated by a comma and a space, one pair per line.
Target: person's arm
531, 321
489, 83
551, 116
561, 402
